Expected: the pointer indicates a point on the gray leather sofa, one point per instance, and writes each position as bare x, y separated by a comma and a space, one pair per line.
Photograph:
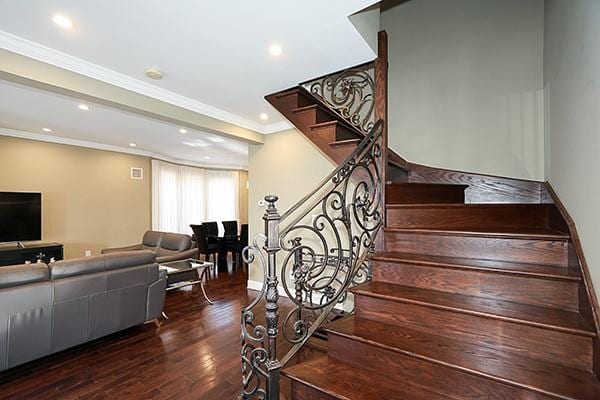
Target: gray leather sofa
45, 309
167, 246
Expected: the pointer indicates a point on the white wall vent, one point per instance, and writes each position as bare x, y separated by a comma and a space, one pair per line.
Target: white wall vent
137, 173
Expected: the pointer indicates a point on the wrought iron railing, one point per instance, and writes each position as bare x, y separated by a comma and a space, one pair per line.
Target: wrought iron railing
350, 93
322, 244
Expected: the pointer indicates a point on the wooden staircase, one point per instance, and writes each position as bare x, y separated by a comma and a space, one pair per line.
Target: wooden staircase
467, 301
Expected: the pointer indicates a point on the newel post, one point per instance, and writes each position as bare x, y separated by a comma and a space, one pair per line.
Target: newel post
272, 219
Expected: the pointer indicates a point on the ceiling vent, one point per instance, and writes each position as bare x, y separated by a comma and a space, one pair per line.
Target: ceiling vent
137, 173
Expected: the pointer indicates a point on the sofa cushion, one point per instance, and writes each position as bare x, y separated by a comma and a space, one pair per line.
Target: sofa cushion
128, 259
175, 242
15, 275
151, 239
77, 266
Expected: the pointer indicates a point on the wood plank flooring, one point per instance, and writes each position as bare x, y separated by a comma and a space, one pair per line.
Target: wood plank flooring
193, 355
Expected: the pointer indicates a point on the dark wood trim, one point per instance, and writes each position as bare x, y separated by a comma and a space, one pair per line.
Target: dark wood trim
482, 188
381, 112
588, 301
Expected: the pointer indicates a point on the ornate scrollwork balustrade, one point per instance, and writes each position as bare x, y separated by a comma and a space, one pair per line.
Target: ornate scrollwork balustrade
350, 93
314, 253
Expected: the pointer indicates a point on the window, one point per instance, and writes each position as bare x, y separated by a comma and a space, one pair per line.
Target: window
183, 195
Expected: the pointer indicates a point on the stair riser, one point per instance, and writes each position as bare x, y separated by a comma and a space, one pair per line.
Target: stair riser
301, 391
548, 252
326, 134
532, 341
386, 362
345, 150
311, 116
520, 289
472, 217
332, 133
417, 194
292, 100
396, 174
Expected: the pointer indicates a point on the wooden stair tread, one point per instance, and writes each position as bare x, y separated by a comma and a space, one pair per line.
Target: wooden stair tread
491, 206
341, 381
548, 318
500, 365
346, 142
503, 267
497, 232
425, 184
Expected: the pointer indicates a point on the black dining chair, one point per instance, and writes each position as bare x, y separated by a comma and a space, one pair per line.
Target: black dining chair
203, 244
230, 228
230, 236
212, 231
240, 243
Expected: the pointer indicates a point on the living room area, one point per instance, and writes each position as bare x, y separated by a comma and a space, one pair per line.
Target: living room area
101, 239
122, 223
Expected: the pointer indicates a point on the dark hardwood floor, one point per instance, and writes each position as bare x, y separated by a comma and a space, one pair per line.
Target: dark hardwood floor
193, 355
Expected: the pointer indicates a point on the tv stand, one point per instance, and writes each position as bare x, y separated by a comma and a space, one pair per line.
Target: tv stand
20, 253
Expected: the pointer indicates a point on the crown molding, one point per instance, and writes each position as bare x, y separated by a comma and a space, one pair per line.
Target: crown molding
36, 51
107, 147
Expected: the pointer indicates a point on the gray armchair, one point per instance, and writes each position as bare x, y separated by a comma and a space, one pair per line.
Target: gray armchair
166, 246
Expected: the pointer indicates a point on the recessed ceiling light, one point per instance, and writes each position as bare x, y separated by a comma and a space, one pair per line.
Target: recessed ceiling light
153, 73
263, 116
183, 130
132, 144
275, 50
207, 158
47, 130
216, 139
62, 21
197, 143
83, 107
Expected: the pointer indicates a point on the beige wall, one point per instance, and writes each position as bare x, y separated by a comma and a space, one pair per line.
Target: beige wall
572, 85
243, 197
287, 165
88, 198
465, 84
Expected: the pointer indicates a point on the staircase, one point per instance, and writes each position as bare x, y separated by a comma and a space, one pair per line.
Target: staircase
466, 301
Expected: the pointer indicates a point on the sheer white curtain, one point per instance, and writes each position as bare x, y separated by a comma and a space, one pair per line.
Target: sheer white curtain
183, 195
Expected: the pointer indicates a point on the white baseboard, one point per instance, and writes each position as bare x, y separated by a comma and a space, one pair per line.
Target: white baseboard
256, 285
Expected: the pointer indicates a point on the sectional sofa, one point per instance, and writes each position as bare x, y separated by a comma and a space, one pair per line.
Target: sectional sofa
48, 308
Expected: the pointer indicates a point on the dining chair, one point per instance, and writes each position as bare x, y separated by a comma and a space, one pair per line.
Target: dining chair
212, 231
230, 228
203, 244
240, 243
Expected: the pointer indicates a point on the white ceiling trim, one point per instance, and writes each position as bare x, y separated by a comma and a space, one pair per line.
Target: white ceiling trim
27, 48
107, 147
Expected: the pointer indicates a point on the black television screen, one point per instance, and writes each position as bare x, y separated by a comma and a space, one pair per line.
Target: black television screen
20, 216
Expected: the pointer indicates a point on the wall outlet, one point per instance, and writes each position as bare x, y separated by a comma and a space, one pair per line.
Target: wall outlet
88, 253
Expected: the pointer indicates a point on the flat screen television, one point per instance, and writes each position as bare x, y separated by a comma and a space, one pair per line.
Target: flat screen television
20, 216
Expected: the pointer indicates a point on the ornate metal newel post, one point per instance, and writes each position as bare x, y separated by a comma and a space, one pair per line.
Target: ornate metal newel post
272, 219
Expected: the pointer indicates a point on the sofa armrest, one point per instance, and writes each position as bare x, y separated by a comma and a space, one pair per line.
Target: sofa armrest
155, 300
190, 253
118, 249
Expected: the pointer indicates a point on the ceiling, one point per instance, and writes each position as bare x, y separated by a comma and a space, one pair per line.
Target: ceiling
214, 56
213, 52
25, 112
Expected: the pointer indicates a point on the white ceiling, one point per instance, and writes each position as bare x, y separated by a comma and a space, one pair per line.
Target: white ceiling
214, 53
25, 111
